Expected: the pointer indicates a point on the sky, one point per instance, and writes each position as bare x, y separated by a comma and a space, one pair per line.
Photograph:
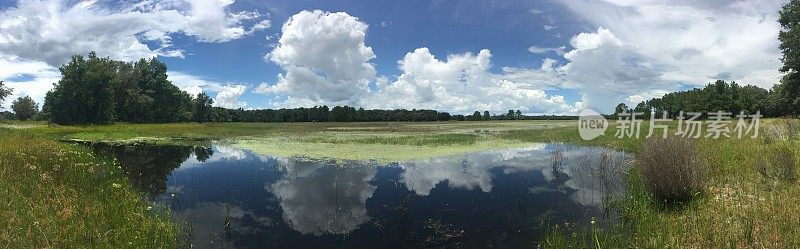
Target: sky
459, 56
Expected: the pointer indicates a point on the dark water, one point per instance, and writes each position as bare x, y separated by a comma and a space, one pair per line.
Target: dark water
234, 198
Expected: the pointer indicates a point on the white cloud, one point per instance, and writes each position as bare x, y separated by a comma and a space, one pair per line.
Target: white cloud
463, 84
227, 94
324, 56
229, 97
53, 30
543, 50
695, 41
635, 99
26, 78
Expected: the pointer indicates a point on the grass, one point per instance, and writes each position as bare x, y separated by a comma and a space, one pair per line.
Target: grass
738, 210
61, 196
381, 141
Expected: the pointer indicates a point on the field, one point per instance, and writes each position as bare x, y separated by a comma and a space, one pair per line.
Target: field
741, 207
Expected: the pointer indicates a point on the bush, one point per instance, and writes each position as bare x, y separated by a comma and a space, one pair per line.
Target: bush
781, 165
671, 169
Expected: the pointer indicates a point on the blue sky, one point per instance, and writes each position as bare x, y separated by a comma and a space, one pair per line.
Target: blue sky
460, 56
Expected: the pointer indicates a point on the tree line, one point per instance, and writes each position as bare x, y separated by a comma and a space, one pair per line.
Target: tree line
718, 96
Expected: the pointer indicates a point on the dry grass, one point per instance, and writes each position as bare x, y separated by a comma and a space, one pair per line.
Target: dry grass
671, 169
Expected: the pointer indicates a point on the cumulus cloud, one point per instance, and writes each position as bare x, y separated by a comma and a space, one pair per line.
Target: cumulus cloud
694, 41
463, 83
607, 70
227, 95
53, 30
324, 56
26, 78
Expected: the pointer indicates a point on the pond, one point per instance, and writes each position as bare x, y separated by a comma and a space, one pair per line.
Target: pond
233, 198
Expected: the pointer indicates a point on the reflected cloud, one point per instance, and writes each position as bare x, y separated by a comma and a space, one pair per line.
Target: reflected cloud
212, 223
322, 198
593, 173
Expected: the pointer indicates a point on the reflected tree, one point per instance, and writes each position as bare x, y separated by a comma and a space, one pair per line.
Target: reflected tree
148, 166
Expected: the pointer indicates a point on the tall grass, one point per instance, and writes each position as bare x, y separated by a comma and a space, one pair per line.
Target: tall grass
671, 169
60, 196
737, 209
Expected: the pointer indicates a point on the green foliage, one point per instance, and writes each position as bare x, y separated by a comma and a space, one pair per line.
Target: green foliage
100, 90
789, 90
202, 107
719, 96
4, 92
24, 108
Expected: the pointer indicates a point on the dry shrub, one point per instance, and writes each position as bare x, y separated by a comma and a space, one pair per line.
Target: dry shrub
782, 130
671, 169
779, 165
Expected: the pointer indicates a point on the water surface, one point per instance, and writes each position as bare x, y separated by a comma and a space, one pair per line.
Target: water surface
233, 198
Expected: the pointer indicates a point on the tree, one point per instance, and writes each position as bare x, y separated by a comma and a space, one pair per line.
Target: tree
486, 115
519, 114
101, 90
24, 108
4, 92
476, 116
202, 107
85, 93
789, 38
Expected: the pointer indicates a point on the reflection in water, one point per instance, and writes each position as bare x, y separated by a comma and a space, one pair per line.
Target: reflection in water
148, 166
318, 198
234, 198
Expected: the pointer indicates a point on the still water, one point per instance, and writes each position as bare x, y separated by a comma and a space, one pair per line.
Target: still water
233, 198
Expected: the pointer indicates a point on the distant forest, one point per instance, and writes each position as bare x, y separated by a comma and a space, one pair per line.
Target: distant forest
718, 96
96, 90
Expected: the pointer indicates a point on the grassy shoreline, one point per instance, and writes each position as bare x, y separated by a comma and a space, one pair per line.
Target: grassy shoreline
59, 195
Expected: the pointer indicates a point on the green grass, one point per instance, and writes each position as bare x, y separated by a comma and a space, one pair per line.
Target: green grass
61, 196
738, 210
382, 141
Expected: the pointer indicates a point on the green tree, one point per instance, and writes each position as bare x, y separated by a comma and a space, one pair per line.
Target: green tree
621, 107
85, 93
789, 38
202, 107
4, 92
519, 114
486, 115
24, 108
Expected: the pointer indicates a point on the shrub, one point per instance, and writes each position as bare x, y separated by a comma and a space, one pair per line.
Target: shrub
781, 164
671, 169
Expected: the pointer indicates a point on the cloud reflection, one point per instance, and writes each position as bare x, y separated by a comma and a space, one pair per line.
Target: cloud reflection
323, 198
